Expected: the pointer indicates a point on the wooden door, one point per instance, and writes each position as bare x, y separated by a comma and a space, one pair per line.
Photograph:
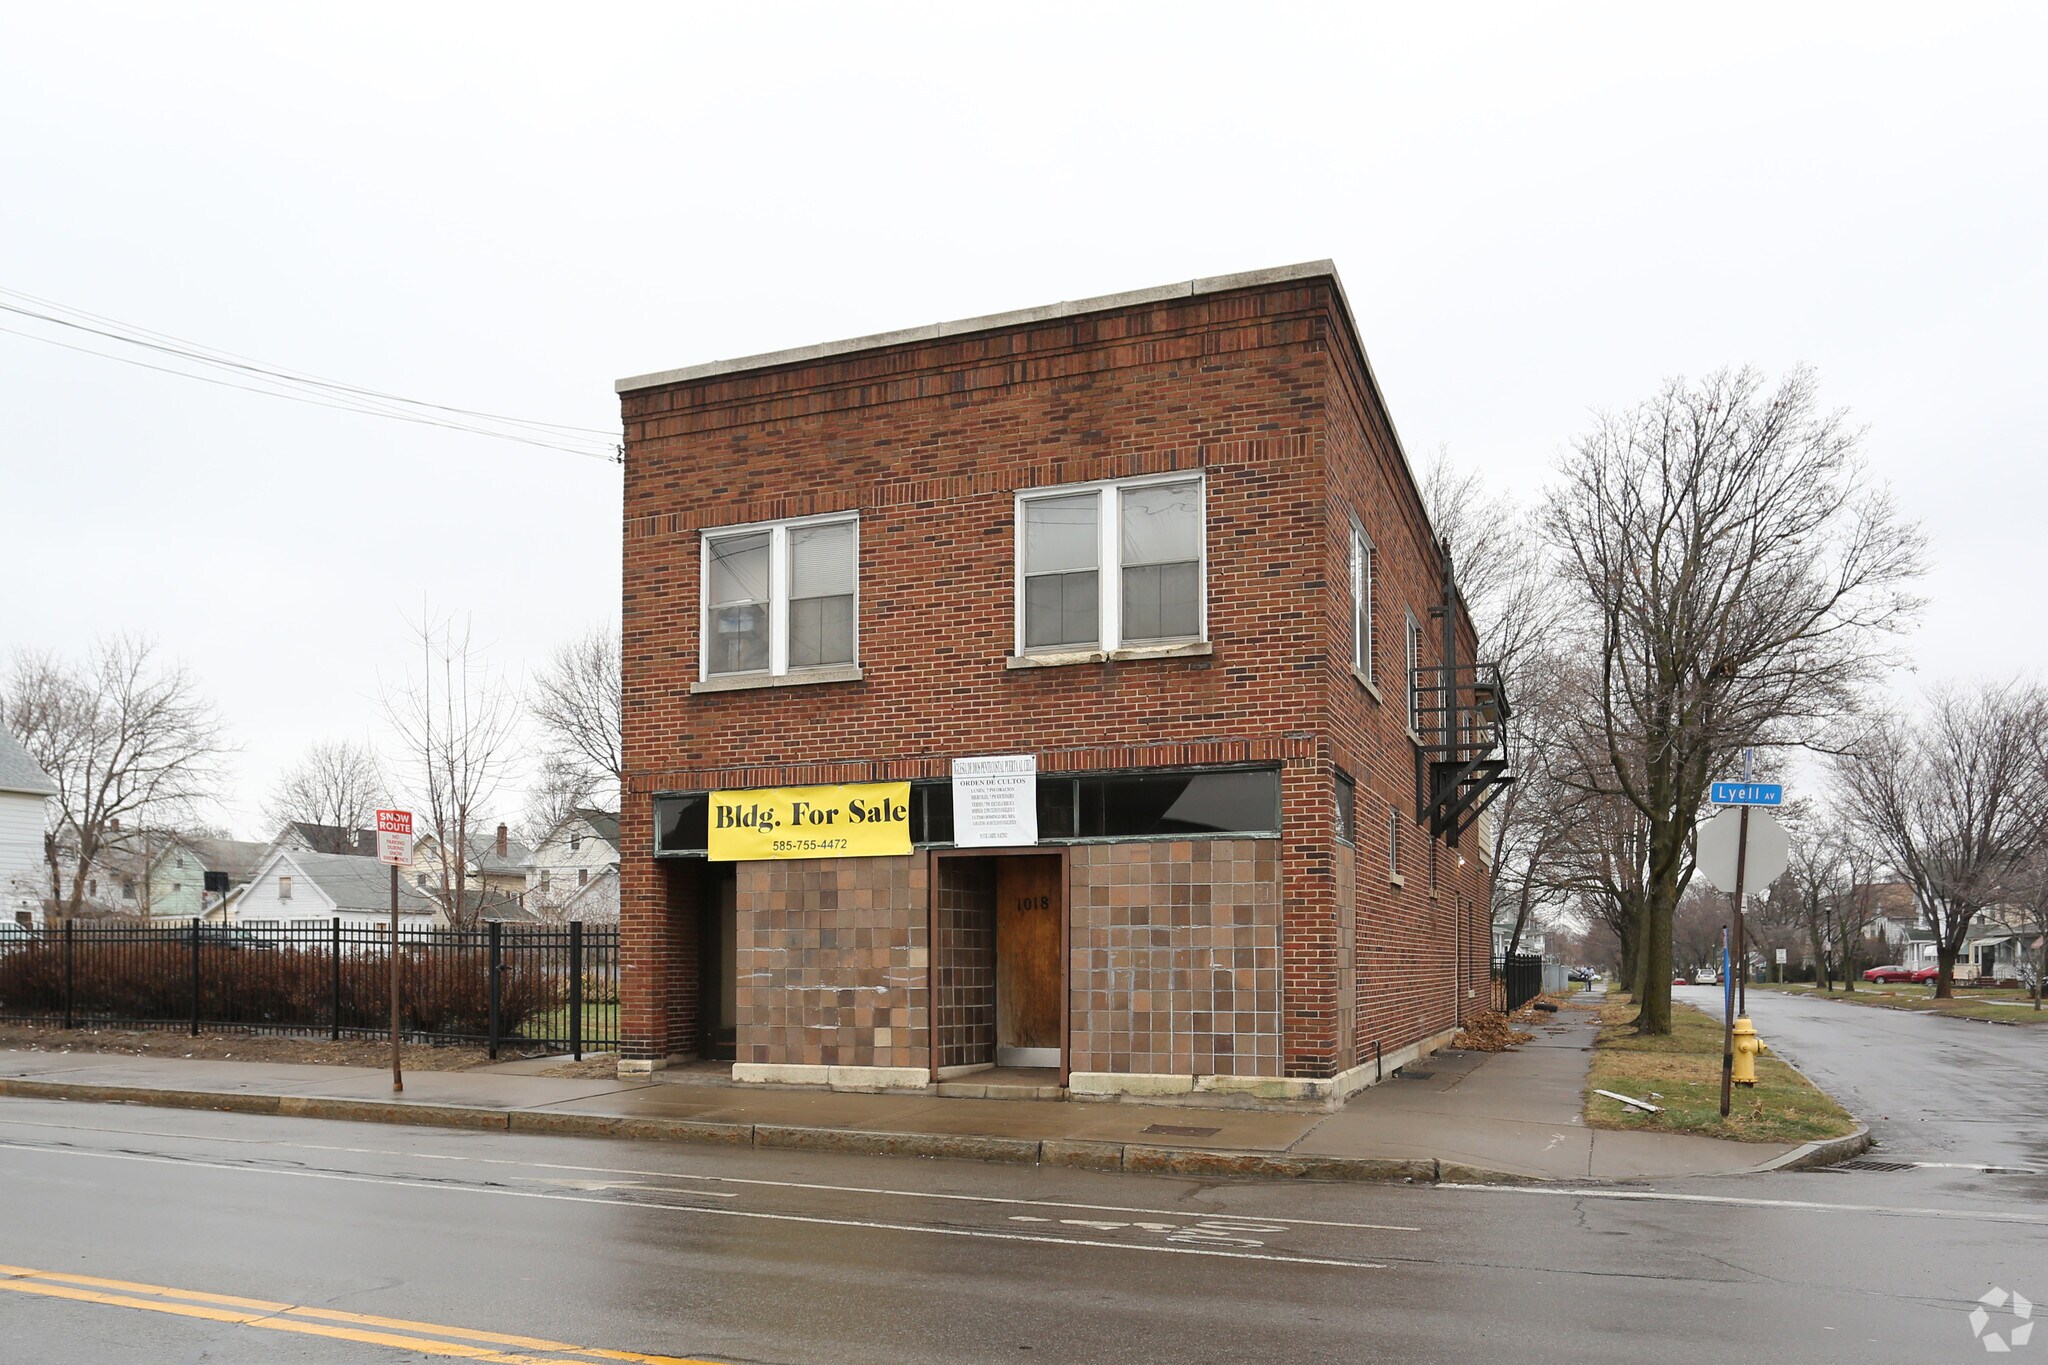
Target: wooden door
1030, 903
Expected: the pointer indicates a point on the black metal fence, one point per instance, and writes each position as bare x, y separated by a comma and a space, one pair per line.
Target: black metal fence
551, 989
1516, 981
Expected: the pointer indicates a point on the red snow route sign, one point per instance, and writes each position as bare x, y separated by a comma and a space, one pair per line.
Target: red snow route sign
394, 837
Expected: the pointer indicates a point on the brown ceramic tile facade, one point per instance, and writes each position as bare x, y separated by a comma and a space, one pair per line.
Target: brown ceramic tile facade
965, 962
1175, 963
830, 957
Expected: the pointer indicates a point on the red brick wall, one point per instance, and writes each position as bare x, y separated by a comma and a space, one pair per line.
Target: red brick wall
1409, 939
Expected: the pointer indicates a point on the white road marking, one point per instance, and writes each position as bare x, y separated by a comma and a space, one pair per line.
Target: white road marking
1570, 1192
1975, 1166
867, 1224
711, 1179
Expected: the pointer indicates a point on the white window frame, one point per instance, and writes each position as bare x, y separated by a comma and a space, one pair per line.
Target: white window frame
1109, 567
1413, 648
778, 594
1394, 846
1362, 556
284, 888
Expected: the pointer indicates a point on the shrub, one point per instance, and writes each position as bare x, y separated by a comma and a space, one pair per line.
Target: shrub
244, 982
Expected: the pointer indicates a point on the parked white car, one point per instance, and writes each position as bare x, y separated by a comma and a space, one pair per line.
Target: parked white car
1706, 976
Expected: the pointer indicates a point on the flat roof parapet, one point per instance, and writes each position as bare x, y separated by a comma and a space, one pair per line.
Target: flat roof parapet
1215, 284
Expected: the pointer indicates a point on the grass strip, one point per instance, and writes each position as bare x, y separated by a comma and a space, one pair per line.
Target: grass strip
1681, 1071
2011, 1005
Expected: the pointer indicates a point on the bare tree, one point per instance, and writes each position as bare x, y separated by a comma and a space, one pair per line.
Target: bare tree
1825, 899
1509, 591
577, 700
1957, 802
131, 744
455, 722
335, 787
1738, 582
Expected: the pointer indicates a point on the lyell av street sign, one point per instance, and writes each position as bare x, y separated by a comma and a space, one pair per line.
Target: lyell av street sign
1747, 794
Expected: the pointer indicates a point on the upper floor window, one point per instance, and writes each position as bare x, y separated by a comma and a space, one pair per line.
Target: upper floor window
1111, 566
284, 888
1414, 675
128, 888
1347, 808
1361, 603
782, 596
575, 842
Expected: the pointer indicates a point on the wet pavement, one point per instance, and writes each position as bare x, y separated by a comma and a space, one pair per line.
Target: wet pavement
699, 1253
1931, 1088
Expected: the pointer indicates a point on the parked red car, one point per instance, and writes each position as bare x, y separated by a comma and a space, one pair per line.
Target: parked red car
1896, 975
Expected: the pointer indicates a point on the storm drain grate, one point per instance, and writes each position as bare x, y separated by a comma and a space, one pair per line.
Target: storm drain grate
1869, 1164
1181, 1130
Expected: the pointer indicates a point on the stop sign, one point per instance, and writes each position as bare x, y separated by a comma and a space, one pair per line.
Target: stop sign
1770, 850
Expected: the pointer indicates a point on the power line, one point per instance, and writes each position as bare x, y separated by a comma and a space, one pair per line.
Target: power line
300, 386
311, 402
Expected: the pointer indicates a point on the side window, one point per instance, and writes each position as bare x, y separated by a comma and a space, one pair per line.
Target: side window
1394, 844
284, 889
1347, 809
1361, 602
1414, 658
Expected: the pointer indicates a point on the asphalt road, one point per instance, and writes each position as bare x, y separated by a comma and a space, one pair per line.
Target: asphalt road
317, 1241
1931, 1089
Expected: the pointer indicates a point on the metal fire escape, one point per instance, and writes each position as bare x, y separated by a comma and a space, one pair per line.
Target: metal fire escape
1461, 712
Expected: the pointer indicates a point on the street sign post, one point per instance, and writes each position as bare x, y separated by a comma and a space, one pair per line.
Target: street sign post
1732, 851
394, 848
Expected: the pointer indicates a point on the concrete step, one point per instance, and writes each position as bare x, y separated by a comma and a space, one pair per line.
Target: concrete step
970, 1089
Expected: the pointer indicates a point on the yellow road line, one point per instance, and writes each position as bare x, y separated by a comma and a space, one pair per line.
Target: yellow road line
284, 1317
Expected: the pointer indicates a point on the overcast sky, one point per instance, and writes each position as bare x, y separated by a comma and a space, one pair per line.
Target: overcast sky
1537, 211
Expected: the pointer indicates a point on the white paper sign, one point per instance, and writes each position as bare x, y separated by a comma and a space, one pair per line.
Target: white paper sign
995, 801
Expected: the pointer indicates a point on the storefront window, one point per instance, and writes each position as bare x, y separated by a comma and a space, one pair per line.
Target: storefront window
1088, 806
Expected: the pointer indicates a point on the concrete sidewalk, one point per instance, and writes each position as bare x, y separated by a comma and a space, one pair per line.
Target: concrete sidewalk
1452, 1116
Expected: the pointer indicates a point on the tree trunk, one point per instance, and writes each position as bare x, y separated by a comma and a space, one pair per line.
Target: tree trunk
1653, 1000
1659, 903
1945, 971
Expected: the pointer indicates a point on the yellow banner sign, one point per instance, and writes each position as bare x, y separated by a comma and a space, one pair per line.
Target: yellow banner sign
867, 820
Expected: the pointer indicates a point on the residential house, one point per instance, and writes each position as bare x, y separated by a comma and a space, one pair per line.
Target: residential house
2004, 943
495, 862
573, 871
25, 792
299, 889
1083, 689
303, 834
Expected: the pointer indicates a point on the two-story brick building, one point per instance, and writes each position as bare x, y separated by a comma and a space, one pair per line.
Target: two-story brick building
1161, 550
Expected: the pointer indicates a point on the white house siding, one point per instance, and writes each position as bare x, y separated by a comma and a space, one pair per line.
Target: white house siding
557, 872
262, 902
23, 872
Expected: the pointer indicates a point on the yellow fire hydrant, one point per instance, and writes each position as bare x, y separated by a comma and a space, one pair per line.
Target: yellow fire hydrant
1747, 1045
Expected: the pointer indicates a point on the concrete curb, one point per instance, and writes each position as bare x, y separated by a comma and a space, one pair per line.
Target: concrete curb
1826, 1152
1079, 1154
1822, 1151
